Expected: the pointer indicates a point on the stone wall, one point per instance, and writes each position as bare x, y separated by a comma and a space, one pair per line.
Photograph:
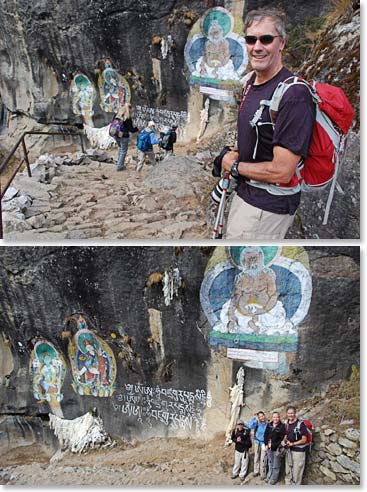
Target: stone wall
336, 454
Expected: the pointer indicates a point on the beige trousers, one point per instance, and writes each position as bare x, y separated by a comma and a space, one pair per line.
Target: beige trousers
248, 222
241, 462
294, 467
259, 460
141, 159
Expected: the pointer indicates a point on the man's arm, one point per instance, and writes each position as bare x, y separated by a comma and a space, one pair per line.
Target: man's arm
280, 170
153, 139
301, 441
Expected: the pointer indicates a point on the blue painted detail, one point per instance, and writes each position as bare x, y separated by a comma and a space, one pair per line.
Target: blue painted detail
197, 49
289, 289
237, 54
221, 289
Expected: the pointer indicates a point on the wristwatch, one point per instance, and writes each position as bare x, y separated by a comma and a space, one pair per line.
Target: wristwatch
234, 170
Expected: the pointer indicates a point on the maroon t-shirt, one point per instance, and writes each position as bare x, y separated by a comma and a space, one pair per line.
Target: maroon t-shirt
293, 131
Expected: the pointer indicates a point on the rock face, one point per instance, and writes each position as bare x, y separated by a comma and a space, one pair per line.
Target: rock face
325, 64
36, 69
121, 330
37, 59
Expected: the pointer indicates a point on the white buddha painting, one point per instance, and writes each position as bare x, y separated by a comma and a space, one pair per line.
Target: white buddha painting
216, 54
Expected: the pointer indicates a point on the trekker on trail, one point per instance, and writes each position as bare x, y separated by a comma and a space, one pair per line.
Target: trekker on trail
242, 439
123, 135
259, 424
169, 137
273, 437
295, 441
145, 144
266, 161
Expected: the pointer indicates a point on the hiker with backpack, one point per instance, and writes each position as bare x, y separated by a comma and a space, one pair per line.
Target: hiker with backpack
145, 144
273, 437
169, 137
297, 441
276, 136
259, 423
120, 129
242, 439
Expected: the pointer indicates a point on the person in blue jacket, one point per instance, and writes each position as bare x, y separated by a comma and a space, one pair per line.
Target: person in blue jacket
146, 141
259, 423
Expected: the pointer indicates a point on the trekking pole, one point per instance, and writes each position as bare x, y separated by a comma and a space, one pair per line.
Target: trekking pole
218, 225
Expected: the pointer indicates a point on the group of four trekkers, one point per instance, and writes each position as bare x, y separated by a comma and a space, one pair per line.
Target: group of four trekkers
273, 440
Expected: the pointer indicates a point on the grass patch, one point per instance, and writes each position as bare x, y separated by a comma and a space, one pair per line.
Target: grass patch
345, 398
300, 40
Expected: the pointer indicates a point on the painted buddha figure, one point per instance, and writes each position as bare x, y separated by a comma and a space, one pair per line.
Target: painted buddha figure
216, 62
254, 307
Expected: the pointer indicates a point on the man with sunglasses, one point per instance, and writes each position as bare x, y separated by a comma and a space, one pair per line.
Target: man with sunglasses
265, 164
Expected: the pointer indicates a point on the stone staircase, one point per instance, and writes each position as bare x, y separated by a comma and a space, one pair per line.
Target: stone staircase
82, 196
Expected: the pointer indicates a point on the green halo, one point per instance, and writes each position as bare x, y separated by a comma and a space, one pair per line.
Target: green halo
41, 348
111, 73
270, 253
221, 15
81, 78
90, 338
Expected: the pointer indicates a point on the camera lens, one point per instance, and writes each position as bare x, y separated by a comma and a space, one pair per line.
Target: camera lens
216, 194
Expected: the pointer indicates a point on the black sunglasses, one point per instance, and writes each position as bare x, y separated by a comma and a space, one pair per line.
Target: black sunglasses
264, 39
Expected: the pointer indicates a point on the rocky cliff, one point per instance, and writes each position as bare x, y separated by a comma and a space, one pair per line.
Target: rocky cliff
42, 46
130, 332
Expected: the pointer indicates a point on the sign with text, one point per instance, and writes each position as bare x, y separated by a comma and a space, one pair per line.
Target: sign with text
257, 355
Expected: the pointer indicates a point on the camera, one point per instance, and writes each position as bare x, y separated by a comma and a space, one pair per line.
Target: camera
216, 194
217, 164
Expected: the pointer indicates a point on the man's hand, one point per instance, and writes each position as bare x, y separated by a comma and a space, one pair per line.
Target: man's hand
229, 159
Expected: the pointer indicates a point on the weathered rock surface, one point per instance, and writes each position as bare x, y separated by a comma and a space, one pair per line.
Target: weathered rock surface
37, 60
164, 201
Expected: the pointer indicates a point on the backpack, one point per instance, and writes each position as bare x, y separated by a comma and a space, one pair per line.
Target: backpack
334, 117
116, 128
297, 432
144, 141
166, 140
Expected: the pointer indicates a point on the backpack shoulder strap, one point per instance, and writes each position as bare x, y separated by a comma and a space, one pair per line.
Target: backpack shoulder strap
282, 88
246, 83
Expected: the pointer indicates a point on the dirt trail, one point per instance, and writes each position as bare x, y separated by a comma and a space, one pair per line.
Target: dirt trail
95, 201
153, 462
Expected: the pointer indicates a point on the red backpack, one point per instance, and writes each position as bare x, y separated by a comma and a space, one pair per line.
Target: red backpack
297, 432
334, 117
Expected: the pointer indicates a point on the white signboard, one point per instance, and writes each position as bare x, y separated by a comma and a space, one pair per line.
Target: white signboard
256, 355
218, 94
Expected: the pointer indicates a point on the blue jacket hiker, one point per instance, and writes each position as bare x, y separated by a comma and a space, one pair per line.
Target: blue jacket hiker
259, 423
145, 144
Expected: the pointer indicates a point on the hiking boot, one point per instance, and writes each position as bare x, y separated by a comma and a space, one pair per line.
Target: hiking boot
120, 168
234, 476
